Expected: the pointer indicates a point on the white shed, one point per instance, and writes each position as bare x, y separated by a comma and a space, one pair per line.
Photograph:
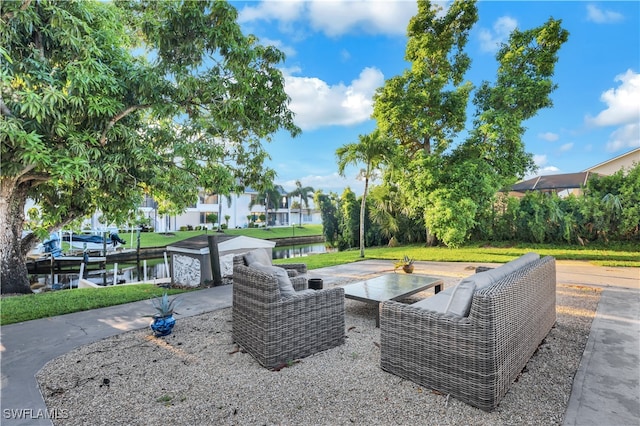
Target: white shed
191, 258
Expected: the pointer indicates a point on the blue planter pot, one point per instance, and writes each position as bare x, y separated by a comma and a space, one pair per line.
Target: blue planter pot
162, 326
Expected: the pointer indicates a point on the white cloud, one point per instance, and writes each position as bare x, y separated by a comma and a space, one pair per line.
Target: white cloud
317, 104
599, 16
374, 17
566, 146
285, 11
490, 40
549, 136
540, 159
336, 17
623, 103
624, 137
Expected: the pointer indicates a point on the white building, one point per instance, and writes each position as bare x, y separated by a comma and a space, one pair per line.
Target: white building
236, 207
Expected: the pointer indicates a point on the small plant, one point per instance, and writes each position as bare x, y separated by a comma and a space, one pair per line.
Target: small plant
406, 261
164, 306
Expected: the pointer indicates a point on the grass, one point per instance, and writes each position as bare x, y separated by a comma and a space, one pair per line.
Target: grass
43, 305
621, 255
23, 308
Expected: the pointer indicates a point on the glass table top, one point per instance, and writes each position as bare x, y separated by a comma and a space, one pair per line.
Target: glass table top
389, 287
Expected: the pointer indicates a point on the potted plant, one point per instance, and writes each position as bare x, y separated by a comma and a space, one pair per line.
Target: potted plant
163, 320
406, 264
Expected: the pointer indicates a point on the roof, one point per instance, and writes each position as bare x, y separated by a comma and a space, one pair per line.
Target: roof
200, 243
553, 182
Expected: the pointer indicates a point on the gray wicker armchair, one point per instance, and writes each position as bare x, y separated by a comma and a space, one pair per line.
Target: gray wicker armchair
474, 358
276, 330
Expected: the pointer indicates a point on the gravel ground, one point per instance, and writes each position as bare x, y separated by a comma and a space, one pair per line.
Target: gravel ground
197, 376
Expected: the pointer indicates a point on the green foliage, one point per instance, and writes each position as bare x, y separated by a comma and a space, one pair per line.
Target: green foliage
212, 218
165, 306
88, 118
328, 206
349, 220
424, 110
373, 150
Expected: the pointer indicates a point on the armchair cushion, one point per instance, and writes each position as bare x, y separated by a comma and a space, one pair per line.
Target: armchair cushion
284, 283
257, 256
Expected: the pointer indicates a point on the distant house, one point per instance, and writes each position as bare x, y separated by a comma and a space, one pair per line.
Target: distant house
622, 162
572, 183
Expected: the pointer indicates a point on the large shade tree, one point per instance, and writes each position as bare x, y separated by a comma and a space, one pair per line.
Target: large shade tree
425, 110
104, 102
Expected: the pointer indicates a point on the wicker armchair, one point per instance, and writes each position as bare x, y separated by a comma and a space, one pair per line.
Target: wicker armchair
297, 272
474, 358
275, 330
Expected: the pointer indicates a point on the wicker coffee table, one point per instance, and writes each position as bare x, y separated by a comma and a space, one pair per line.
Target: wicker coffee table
390, 287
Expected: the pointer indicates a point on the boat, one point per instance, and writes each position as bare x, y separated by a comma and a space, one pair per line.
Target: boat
88, 242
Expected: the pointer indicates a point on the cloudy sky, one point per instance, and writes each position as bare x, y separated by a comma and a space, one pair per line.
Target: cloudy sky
339, 52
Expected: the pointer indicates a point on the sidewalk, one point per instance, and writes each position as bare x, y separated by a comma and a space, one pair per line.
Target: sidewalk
606, 388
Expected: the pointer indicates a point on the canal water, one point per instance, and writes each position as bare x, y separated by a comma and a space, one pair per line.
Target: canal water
155, 269
300, 250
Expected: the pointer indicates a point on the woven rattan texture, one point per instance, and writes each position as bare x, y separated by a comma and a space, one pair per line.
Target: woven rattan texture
477, 358
276, 331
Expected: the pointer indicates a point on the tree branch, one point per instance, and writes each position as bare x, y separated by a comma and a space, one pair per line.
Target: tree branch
114, 120
4, 109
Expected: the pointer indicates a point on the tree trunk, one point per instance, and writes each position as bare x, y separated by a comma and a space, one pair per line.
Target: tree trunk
13, 269
362, 209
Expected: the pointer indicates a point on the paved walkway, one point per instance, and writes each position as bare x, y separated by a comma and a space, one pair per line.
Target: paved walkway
606, 388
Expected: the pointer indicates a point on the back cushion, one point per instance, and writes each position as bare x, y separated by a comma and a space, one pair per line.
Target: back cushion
487, 278
257, 256
284, 283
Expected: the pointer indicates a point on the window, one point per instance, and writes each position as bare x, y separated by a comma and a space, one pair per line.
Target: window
208, 198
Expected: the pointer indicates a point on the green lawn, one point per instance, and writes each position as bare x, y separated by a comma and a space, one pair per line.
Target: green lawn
42, 305
27, 307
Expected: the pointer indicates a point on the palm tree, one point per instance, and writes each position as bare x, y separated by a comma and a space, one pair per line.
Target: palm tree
372, 150
267, 197
304, 192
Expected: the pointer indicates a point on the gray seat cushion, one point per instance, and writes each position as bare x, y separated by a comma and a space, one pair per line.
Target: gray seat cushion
437, 302
284, 283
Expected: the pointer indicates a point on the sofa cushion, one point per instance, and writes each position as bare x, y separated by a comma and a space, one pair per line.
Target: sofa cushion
284, 283
257, 256
487, 278
460, 300
436, 303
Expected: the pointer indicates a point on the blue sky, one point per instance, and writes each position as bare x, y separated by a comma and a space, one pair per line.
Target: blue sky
339, 52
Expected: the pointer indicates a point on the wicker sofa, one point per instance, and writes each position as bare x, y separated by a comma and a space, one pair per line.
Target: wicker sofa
473, 357
276, 330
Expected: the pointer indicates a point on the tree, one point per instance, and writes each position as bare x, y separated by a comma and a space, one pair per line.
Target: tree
372, 150
304, 192
104, 102
328, 205
267, 197
425, 109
